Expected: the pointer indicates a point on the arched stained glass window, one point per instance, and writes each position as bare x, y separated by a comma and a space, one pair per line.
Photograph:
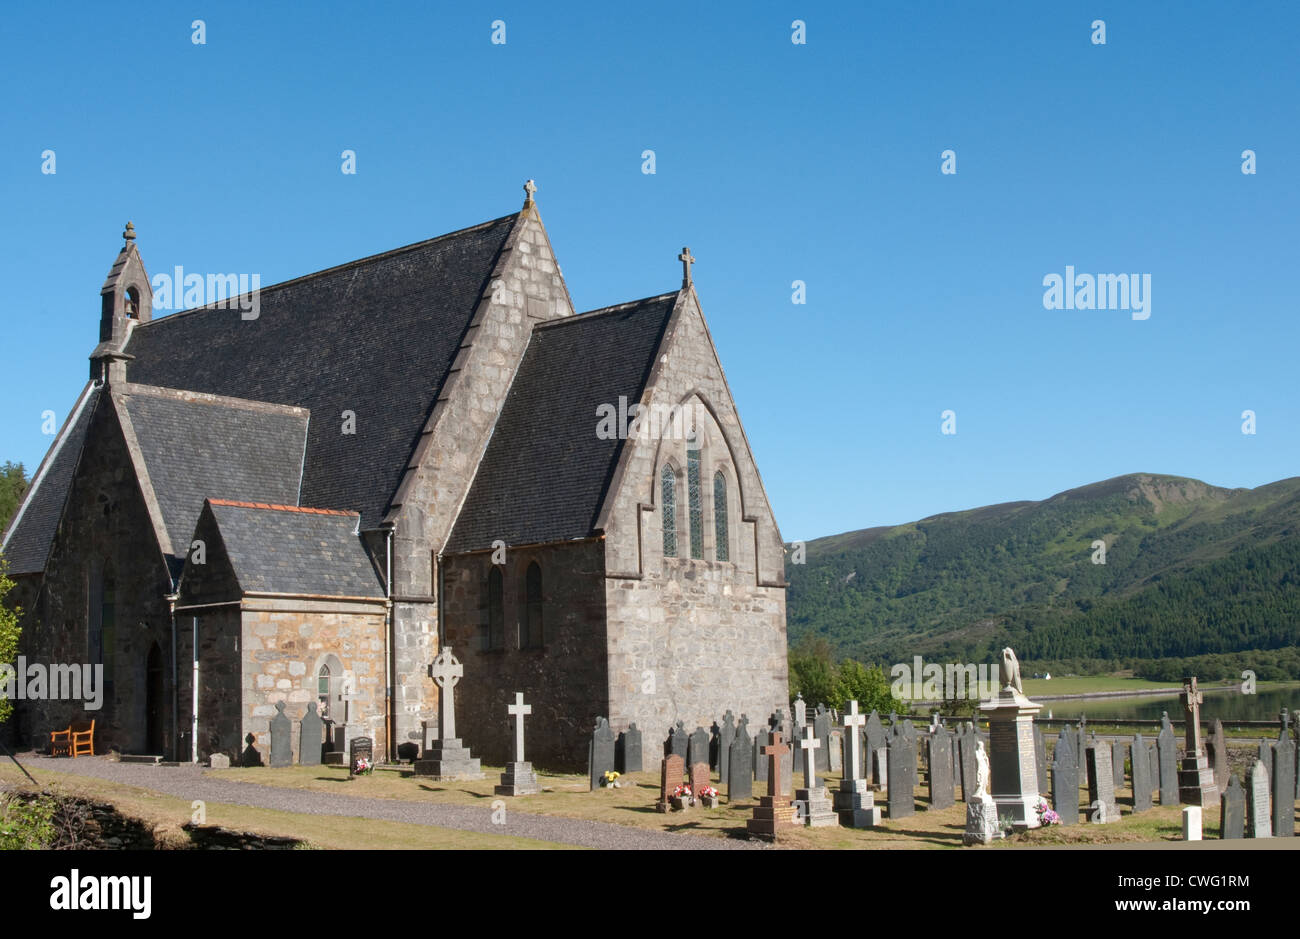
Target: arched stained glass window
323, 691
693, 494
720, 515
533, 607
669, 509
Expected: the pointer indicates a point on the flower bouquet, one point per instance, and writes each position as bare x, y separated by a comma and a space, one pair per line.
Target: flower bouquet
1045, 815
363, 767
708, 796
682, 797
609, 779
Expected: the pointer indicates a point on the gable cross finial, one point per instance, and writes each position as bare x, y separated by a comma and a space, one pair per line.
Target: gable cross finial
687, 261
129, 234
530, 187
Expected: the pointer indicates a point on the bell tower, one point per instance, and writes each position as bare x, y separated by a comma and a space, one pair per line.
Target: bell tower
125, 300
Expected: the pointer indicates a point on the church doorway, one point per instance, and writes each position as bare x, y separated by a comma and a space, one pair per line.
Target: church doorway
155, 701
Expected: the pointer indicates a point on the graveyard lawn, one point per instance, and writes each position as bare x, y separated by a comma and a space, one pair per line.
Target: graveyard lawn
167, 814
633, 804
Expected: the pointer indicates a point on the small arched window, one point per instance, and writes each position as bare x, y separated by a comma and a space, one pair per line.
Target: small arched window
493, 631
323, 691
533, 607
669, 507
720, 515
693, 495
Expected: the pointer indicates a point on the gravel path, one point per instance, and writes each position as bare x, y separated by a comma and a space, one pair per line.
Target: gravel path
188, 782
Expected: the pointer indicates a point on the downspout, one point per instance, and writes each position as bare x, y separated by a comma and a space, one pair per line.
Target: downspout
175, 749
194, 680
389, 642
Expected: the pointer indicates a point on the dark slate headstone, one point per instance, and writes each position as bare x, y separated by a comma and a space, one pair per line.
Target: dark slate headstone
726, 734
1040, 759
1167, 745
1065, 778
1266, 755
1216, 750
281, 738
966, 756
677, 742
822, 730
311, 737
1232, 810
600, 753
874, 732
902, 773
1101, 777
740, 766
1259, 821
1153, 761
941, 783
715, 744
761, 739
628, 752
359, 747
697, 748
1142, 783
1119, 753
1283, 777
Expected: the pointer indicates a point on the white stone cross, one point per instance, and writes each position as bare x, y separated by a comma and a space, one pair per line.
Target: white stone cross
446, 672
853, 744
687, 261
517, 711
808, 744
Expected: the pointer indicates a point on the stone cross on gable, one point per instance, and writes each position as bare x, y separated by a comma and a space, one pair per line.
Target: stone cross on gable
530, 187
853, 741
774, 751
808, 744
1192, 699
446, 671
517, 711
687, 261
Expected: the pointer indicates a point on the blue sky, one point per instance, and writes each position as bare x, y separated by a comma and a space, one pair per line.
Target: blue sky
775, 162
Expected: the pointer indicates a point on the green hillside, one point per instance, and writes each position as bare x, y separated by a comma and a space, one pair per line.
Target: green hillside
1190, 569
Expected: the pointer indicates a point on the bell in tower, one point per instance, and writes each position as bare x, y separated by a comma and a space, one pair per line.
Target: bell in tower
125, 299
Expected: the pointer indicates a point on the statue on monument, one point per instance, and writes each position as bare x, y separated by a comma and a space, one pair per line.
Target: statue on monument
1010, 671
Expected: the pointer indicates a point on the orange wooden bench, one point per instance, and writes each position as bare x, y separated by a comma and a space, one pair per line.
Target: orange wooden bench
77, 740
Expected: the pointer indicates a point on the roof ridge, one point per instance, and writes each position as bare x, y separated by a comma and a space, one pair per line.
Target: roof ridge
127, 389
282, 508
225, 303
583, 317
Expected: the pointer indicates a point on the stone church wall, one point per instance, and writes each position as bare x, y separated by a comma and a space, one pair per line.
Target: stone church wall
565, 681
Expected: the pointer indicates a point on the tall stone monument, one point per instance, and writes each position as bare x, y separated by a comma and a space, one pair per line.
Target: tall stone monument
854, 802
812, 794
519, 778
1196, 785
447, 758
1013, 763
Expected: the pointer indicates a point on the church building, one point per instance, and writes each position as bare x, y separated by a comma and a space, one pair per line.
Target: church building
425, 448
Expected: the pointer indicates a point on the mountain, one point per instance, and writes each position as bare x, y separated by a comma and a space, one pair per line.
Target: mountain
1189, 569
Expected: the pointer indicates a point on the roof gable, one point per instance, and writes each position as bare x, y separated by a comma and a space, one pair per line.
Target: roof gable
372, 340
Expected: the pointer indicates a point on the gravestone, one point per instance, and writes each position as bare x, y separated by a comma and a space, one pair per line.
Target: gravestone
902, 773
519, 778
1013, 780
219, 761
600, 753
1065, 778
800, 713
784, 724
697, 747
678, 741
1191, 823
982, 823
1101, 781
1118, 753
740, 767
1283, 777
854, 802
822, 730
310, 737
1153, 760
816, 804
966, 744
1232, 810
837, 751
1195, 777
880, 767
671, 770
1142, 783
1217, 750
1266, 755
874, 731
1040, 759
1259, 822
762, 739
628, 752
448, 758
281, 738
699, 779
726, 735
941, 782
1167, 747
360, 747
773, 812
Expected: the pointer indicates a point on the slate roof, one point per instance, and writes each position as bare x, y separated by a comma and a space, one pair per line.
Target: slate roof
375, 337
31, 531
197, 447
545, 472
290, 550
